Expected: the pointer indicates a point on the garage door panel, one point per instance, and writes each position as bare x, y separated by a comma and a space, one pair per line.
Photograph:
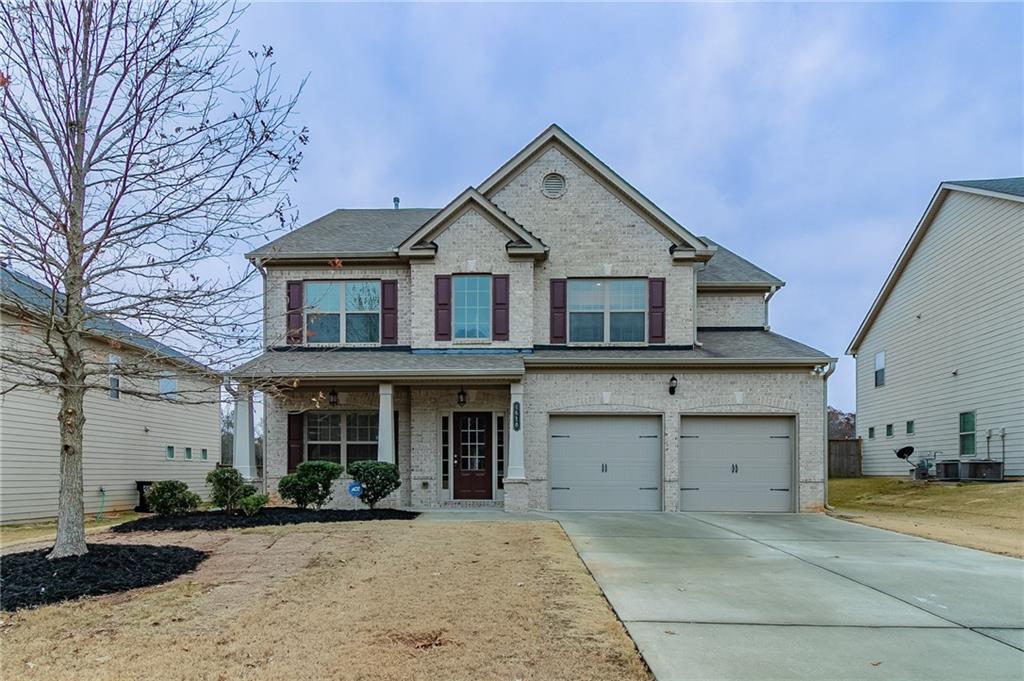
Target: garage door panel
736, 464
605, 463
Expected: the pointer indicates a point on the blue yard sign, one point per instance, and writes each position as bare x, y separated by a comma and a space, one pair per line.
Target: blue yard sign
355, 489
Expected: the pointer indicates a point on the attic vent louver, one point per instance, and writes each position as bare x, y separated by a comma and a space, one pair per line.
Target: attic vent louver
553, 185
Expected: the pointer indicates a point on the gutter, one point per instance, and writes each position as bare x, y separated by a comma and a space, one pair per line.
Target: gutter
796, 362
824, 392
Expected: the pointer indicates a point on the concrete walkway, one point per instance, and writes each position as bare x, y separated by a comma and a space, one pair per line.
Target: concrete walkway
740, 597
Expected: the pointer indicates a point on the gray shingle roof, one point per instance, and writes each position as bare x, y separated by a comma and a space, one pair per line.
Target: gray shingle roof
352, 231
729, 347
349, 231
725, 267
1005, 185
24, 293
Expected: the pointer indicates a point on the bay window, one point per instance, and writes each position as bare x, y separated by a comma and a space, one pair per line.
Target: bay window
342, 312
607, 310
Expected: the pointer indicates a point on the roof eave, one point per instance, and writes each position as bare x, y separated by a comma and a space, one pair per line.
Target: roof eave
677, 362
740, 285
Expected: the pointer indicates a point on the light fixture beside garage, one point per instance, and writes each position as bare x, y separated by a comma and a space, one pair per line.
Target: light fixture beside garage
461, 397
673, 383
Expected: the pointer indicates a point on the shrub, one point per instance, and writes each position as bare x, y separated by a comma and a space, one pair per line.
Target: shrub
378, 479
312, 484
228, 488
172, 497
252, 504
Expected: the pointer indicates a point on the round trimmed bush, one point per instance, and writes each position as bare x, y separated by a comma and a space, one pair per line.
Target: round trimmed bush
378, 478
228, 488
172, 497
312, 484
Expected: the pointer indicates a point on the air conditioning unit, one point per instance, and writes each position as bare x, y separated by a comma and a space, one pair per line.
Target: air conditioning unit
947, 470
982, 469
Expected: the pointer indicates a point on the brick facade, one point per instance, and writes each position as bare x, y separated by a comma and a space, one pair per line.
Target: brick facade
731, 309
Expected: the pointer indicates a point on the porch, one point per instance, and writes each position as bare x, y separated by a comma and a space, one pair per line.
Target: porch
457, 439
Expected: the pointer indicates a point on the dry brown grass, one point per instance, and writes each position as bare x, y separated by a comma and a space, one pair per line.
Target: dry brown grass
378, 600
986, 516
12, 534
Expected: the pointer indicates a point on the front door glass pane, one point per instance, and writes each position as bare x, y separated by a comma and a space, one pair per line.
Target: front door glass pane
472, 444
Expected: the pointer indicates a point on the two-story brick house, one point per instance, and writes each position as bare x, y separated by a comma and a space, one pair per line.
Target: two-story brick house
550, 339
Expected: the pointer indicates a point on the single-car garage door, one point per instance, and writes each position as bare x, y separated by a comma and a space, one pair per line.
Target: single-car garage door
605, 463
736, 463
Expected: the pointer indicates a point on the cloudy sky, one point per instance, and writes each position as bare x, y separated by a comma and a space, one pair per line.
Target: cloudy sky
808, 138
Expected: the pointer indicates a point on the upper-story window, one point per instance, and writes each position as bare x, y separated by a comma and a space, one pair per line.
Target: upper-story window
879, 369
342, 312
167, 386
114, 377
607, 310
471, 300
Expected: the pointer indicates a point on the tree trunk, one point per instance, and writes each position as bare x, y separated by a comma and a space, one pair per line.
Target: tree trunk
71, 505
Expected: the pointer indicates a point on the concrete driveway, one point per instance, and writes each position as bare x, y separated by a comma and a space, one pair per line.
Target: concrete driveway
782, 596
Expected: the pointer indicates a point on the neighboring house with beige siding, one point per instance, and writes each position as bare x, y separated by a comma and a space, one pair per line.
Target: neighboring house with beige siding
550, 339
940, 354
127, 437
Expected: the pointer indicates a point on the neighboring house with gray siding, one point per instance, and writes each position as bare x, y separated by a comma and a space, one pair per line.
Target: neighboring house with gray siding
550, 339
127, 437
940, 354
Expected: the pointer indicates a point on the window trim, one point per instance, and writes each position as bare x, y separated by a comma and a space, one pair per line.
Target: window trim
880, 370
607, 313
308, 309
911, 427
890, 430
490, 307
169, 452
188, 453
204, 454
344, 441
973, 434
871, 433
170, 377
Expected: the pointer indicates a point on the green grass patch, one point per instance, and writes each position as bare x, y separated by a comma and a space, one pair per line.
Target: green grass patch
1005, 499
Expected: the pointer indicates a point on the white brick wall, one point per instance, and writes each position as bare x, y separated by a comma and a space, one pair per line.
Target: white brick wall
472, 244
592, 233
710, 392
730, 309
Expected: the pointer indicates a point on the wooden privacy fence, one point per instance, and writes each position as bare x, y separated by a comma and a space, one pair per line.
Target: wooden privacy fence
844, 458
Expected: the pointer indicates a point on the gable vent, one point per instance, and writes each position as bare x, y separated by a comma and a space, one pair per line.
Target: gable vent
553, 185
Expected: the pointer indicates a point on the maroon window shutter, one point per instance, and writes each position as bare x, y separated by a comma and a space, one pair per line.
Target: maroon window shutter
499, 307
656, 310
294, 312
443, 307
389, 312
294, 441
558, 311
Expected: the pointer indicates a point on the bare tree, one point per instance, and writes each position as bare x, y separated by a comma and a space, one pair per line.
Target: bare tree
140, 151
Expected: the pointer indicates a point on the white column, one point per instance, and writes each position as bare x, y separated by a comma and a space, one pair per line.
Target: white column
244, 453
386, 425
516, 469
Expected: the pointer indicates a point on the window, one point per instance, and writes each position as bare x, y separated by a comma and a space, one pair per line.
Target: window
113, 378
499, 448
888, 430
871, 433
326, 438
471, 301
342, 312
361, 437
879, 369
188, 453
170, 451
203, 454
910, 427
445, 452
607, 310
967, 442
167, 386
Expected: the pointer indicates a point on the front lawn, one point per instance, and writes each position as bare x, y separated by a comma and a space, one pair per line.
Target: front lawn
39, 530
388, 599
986, 516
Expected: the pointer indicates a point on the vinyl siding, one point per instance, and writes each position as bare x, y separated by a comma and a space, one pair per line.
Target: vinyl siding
966, 281
118, 450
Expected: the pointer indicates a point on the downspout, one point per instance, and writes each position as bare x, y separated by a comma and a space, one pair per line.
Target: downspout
771, 292
693, 273
824, 452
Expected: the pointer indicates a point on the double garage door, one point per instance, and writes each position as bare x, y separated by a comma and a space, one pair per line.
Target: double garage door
726, 463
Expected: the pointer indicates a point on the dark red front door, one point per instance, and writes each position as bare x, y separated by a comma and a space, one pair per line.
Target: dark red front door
472, 455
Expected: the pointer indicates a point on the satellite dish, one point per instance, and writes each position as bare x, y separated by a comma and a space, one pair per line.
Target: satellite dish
905, 452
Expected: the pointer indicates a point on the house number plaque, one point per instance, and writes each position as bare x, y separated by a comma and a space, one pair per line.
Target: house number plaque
515, 416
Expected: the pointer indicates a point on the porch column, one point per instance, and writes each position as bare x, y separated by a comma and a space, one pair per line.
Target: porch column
243, 455
516, 469
386, 424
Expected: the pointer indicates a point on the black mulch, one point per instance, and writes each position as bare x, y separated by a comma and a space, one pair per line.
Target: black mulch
28, 579
218, 520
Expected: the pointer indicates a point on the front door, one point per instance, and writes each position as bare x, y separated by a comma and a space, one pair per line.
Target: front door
472, 460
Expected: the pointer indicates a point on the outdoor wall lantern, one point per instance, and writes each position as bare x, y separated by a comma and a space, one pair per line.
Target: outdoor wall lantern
461, 397
332, 398
672, 384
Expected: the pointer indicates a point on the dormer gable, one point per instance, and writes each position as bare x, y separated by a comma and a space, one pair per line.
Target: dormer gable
421, 244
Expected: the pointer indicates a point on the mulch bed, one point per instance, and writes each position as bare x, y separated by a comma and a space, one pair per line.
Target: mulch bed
28, 579
218, 520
